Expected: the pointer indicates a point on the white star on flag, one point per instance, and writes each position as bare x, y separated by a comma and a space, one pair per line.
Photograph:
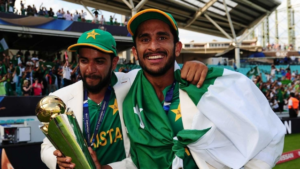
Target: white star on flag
138, 112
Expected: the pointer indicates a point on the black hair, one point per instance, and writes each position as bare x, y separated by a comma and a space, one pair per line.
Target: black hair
292, 94
112, 55
174, 33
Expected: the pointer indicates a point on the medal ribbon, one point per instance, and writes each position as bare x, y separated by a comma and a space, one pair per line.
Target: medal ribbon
168, 98
86, 118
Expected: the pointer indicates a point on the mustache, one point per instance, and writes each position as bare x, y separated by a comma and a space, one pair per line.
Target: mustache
151, 53
92, 76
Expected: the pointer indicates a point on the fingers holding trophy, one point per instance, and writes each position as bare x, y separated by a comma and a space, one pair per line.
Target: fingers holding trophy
61, 128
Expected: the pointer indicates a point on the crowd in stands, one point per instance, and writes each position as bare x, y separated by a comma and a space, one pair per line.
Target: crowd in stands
24, 74
290, 60
280, 85
27, 75
8, 6
278, 47
287, 60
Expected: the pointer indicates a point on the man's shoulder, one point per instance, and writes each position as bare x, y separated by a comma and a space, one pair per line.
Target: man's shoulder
125, 80
72, 90
130, 74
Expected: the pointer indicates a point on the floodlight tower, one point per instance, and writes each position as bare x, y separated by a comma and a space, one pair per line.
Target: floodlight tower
281, 26
290, 23
263, 34
276, 27
267, 35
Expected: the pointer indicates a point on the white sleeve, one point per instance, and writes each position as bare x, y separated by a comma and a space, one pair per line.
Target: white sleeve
257, 164
49, 159
127, 163
290, 103
47, 156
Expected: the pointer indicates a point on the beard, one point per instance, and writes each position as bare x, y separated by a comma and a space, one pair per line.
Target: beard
161, 71
104, 81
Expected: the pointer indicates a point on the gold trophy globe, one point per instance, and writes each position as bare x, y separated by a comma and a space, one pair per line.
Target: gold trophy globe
61, 128
48, 108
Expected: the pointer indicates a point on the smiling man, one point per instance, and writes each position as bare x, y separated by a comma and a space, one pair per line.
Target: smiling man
97, 101
227, 123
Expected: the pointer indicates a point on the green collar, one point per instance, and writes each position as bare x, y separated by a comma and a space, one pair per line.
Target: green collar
113, 79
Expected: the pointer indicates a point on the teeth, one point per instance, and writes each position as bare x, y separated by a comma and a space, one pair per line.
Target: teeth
155, 57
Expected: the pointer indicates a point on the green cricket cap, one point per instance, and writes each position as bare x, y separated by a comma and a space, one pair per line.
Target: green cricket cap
96, 38
148, 14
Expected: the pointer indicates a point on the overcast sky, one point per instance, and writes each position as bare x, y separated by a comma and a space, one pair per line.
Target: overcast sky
185, 36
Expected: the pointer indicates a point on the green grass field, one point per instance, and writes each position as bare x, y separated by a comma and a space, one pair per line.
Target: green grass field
291, 142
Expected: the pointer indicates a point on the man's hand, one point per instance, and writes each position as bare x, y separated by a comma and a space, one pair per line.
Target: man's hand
63, 162
194, 72
66, 162
95, 159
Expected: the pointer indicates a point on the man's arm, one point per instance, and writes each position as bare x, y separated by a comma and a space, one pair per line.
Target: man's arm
74, 70
268, 156
66, 162
66, 64
194, 72
47, 149
264, 159
257, 164
47, 156
241, 112
127, 163
290, 102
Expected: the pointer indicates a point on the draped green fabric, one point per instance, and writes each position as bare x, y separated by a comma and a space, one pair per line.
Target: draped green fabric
149, 129
184, 138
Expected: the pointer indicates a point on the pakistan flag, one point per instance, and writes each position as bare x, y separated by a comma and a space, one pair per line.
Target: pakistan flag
253, 71
230, 122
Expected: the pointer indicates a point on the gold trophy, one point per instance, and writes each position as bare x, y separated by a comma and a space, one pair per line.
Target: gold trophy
61, 128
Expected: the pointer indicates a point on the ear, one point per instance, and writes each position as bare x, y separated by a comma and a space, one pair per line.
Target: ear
134, 52
115, 62
178, 47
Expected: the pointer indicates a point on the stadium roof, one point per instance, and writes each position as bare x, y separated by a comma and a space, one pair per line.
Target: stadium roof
24, 38
204, 16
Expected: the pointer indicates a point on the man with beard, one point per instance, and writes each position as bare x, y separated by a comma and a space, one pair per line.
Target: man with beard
227, 123
88, 99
